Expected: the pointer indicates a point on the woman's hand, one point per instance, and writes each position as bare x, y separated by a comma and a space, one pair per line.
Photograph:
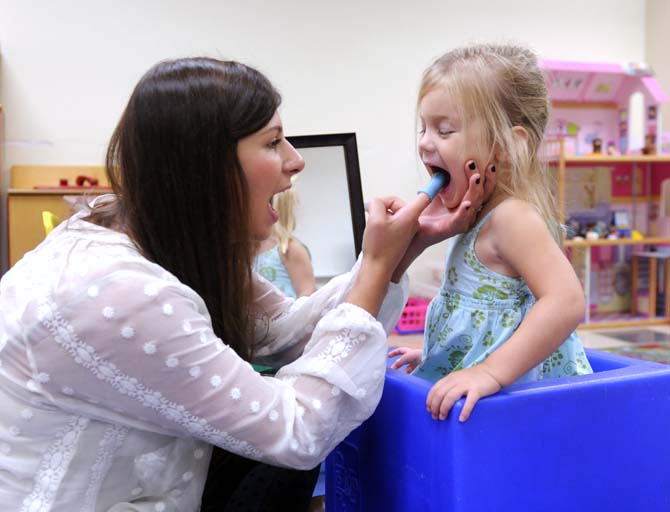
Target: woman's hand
438, 223
473, 383
411, 357
390, 226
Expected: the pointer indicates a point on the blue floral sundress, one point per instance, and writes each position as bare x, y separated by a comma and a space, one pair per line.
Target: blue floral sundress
476, 311
270, 265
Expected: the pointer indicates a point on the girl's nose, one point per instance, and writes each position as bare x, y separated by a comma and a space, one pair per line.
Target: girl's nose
426, 144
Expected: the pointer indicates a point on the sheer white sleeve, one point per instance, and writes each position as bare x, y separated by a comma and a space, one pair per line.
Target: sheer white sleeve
284, 325
130, 347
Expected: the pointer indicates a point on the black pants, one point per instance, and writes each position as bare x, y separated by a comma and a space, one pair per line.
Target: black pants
236, 484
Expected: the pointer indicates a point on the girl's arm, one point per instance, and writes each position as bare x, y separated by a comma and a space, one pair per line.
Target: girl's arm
299, 266
520, 242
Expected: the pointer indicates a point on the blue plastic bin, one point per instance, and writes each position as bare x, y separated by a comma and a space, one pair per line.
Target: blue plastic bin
591, 443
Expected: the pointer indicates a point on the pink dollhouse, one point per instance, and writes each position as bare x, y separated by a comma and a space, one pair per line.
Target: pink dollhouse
597, 101
604, 138
608, 120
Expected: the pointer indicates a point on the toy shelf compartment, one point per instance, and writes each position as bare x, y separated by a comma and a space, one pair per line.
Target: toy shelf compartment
639, 201
592, 442
632, 317
653, 168
413, 317
37, 188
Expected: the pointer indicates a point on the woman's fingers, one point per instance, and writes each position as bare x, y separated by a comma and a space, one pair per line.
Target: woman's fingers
475, 191
391, 203
414, 208
490, 179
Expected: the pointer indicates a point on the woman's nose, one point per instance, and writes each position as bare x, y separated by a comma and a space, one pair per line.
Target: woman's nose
294, 162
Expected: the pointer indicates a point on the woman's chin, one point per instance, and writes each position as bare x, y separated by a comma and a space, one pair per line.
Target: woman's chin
264, 232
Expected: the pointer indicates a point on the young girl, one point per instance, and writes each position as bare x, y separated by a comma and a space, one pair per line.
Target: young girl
282, 259
510, 300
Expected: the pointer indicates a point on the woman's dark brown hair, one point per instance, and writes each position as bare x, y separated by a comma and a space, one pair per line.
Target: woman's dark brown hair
182, 195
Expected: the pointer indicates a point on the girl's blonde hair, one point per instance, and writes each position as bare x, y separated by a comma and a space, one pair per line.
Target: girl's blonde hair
498, 87
285, 203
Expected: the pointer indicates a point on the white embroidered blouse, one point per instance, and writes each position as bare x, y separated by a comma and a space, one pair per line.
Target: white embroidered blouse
113, 384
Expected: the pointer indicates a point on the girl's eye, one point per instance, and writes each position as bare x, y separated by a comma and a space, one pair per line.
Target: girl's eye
445, 132
275, 143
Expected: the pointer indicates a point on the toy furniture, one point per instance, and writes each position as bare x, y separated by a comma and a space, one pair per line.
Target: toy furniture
592, 442
34, 189
413, 317
654, 258
596, 106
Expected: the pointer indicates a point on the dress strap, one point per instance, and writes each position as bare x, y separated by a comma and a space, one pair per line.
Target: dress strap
471, 236
480, 223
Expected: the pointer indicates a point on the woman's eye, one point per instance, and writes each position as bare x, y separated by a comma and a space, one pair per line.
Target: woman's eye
275, 143
445, 132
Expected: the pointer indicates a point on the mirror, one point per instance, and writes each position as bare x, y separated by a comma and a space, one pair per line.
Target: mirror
330, 216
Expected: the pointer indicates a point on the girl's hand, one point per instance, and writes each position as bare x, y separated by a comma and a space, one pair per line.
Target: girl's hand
410, 357
473, 383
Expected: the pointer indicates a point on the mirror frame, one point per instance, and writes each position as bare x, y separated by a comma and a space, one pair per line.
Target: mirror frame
352, 169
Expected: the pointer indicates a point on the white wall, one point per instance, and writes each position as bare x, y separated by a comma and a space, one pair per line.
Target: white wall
657, 43
68, 66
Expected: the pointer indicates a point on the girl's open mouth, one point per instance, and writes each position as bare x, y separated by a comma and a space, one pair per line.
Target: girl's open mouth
435, 168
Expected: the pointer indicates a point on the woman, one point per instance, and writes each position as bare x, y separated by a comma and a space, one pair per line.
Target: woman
127, 334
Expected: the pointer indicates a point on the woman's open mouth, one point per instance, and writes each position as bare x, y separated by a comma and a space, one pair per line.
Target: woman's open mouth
274, 213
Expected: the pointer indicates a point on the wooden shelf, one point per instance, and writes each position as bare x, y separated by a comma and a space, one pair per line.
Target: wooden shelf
621, 241
561, 162
616, 159
607, 159
624, 322
25, 202
58, 192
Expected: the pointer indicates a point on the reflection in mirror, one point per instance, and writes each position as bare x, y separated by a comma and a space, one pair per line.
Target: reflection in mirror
330, 216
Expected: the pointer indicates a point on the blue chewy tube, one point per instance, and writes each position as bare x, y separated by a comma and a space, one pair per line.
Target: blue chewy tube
438, 181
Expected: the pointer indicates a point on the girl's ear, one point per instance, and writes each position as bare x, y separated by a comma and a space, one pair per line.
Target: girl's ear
502, 156
520, 131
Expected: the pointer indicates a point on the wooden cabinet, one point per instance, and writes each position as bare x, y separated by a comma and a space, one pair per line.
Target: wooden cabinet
34, 189
615, 294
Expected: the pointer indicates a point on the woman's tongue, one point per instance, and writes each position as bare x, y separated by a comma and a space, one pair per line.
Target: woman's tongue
274, 213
